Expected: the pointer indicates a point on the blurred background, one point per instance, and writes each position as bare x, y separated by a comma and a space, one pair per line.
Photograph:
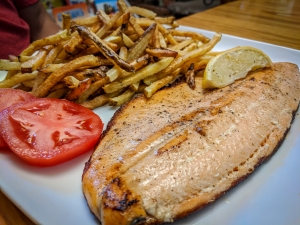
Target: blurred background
84, 8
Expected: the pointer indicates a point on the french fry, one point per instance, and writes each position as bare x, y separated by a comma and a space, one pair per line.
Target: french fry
123, 19
89, 60
92, 88
103, 16
181, 45
100, 100
141, 12
39, 79
96, 102
50, 68
88, 21
51, 40
28, 83
121, 99
145, 22
106, 59
34, 63
159, 52
126, 40
193, 35
155, 86
70, 46
11, 73
123, 53
8, 65
134, 86
58, 93
105, 49
141, 44
170, 20
52, 55
108, 24
190, 76
66, 21
17, 79
76, 92
138, 75
179, 61
71, 82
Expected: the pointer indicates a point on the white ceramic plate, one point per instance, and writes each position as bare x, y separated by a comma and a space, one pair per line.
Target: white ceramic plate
271, 195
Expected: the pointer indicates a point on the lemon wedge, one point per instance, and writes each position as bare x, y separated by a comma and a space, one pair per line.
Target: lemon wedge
232, 65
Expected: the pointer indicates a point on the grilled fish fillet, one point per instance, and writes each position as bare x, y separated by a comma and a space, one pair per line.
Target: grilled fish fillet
162, 158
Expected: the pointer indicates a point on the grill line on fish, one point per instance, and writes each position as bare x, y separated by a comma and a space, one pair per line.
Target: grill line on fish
162, 158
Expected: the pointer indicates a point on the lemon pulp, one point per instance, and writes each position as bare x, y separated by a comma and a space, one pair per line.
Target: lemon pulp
233, 64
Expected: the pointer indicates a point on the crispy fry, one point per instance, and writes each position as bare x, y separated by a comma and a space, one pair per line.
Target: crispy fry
190, 76
140, 45
51, 40
121, 99
34, 63
52, 55
100, 100
144, 22
193, 35
11, 73
181, 45
76, 92
50, 68
28, 83
71, 82
66, 21
17, 79
126, 40
138, 75
103, 16
56, 76
123, 19
159, 52
123, 53
58, 93
134, 86
88, 21
8, 65
105, 49
70, 46
141, 12
96, 102
108, 24
152, 88
39, 79
92, 88
179, 61
170, 20
103, 58
141, 61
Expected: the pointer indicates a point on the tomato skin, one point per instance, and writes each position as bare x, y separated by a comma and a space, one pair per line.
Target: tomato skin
47, 132
9, 96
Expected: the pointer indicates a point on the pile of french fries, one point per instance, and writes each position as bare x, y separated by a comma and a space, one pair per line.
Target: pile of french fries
106, 59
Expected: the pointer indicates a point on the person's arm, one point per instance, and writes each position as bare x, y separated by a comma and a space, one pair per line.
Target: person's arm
40, 23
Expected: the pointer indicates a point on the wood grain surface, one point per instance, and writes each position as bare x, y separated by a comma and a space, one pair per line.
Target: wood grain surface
272, 21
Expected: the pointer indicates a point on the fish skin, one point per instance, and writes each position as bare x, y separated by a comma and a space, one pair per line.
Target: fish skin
162, 158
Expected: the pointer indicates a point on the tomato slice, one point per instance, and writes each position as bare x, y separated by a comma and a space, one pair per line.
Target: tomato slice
46, 132
9, 96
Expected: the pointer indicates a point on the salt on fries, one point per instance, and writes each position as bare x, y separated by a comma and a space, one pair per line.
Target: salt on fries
107, 59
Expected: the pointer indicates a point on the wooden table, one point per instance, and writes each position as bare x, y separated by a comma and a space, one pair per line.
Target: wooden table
272, 21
